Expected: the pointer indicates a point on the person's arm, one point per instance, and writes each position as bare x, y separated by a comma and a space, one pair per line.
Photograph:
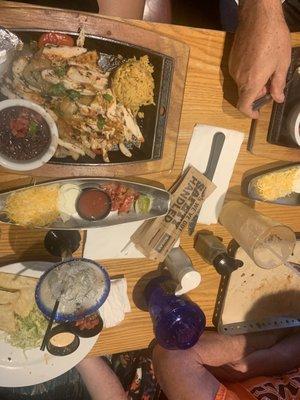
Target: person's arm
261, 53
100, 380
284, 356
193, 374
133, 9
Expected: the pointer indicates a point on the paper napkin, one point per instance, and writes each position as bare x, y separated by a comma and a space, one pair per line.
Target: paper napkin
117, 304
198, 154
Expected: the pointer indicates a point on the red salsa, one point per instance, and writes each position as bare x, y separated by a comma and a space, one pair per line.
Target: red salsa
24, 133
122, 197
93, 204
89, 322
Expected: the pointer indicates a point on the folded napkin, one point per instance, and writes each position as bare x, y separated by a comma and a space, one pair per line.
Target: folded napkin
117, 304
198, 155
112, 242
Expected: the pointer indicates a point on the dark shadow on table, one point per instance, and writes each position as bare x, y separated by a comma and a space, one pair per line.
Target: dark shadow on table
138, 294
284, 304
26, 245
230, 92
139, 289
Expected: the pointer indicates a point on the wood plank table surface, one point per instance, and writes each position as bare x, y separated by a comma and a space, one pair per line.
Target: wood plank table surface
204, 103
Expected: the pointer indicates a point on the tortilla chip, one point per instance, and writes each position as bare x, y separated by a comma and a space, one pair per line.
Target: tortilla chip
8, 297
7, 320
12, 281
25, 302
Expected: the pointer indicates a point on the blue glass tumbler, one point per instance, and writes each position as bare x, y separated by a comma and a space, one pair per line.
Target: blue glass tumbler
178, 322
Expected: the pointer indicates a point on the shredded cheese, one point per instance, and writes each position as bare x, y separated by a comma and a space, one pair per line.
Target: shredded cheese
37, 206
274, 185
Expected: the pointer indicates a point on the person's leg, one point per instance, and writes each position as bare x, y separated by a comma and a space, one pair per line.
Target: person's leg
279, 359
182, 376
100, 380
186, 373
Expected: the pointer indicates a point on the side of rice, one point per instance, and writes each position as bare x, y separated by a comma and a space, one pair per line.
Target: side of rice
133, 83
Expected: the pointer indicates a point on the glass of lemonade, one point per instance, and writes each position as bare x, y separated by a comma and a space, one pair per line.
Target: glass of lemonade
267, 242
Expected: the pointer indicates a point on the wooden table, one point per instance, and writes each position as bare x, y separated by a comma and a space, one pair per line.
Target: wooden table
203, 103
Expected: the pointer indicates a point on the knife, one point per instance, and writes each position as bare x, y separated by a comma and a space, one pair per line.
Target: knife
215, 152
260, 102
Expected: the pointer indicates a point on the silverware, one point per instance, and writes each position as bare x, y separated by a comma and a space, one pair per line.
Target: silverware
215, 152
257, 104
50, 323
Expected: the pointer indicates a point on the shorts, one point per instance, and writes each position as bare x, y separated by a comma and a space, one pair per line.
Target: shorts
286, 387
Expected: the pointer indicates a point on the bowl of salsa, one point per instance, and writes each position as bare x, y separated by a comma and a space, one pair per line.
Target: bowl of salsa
28, 135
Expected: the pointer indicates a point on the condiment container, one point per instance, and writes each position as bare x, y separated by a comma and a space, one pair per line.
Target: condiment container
213, 251
182, 271
178, 322
62, 342
49, 151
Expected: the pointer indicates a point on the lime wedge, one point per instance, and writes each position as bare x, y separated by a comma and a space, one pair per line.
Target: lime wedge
143, 204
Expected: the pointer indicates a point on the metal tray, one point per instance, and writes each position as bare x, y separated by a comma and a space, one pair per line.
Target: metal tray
153, 125
278, 128
243, 327
248, 186
160, 206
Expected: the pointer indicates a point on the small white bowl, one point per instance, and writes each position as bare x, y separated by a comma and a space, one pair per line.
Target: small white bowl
25, 165
293, 120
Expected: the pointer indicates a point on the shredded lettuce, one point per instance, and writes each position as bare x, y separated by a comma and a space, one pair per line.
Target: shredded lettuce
31, 330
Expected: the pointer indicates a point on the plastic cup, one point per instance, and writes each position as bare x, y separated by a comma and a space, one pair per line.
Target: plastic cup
267, 242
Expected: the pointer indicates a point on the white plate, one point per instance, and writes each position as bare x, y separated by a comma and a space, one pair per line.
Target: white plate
30, 367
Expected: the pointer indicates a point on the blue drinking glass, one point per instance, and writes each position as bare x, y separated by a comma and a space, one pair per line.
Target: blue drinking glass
178, 322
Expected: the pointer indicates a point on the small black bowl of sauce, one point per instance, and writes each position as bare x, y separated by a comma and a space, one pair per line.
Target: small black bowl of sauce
93, 204
62, 342
28, 135
87, 327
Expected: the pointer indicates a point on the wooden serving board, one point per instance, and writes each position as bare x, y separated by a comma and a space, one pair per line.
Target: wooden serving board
18, 17
258, 144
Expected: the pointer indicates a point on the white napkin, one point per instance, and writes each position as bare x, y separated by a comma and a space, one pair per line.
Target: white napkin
198, 154
108, 242
117, 304
112, 242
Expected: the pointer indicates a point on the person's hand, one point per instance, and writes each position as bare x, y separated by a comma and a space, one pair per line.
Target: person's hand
261, 53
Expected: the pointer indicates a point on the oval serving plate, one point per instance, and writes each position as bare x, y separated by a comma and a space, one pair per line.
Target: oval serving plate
249, 189
30, 367
159, 207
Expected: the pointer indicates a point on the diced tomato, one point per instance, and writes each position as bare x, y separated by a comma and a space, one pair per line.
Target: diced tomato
19, 126
127, 204
57, 39
121, 196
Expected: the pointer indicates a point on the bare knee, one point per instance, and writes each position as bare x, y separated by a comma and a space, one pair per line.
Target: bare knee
168, 360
